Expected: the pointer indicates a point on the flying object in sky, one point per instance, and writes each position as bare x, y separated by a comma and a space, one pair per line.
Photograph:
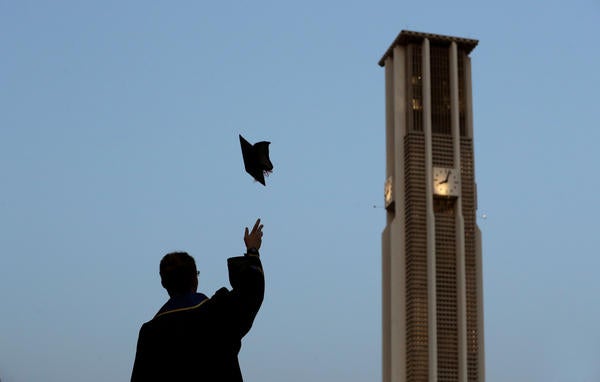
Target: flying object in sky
256, 159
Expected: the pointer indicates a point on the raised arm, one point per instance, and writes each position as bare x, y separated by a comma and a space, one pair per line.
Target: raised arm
248, 284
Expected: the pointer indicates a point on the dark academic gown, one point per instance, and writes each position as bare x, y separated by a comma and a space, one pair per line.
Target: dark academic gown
195, 338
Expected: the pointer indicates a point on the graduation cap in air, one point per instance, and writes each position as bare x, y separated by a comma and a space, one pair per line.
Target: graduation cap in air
256, 159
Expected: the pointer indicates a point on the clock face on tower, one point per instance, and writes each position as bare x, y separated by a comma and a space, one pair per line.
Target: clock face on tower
445, 181
387, 194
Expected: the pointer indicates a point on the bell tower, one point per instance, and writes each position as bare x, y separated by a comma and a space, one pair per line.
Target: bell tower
431, 245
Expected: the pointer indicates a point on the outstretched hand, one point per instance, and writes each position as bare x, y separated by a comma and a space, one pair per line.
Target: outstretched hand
253, 239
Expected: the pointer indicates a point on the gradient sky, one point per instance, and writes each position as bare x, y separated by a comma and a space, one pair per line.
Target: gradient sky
119, 125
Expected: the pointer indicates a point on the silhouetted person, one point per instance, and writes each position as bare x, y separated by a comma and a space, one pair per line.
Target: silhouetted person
196, 338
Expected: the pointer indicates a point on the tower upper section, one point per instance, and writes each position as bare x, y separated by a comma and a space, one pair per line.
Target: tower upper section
427, 69
410, 37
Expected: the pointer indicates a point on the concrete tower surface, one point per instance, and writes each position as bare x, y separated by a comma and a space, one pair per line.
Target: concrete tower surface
432, 279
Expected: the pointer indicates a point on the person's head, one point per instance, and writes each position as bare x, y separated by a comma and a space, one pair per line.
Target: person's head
178, 273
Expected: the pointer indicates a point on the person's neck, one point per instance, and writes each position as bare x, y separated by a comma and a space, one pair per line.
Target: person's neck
182, 294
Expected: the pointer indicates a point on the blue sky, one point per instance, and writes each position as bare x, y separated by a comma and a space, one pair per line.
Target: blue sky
118, 143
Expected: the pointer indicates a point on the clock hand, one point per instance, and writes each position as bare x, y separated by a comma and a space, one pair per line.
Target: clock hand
447, 178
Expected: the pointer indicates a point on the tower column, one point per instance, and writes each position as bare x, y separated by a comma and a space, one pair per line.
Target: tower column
461, 297
469, 98
431, 279
478, 245
386, 239
398, 325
